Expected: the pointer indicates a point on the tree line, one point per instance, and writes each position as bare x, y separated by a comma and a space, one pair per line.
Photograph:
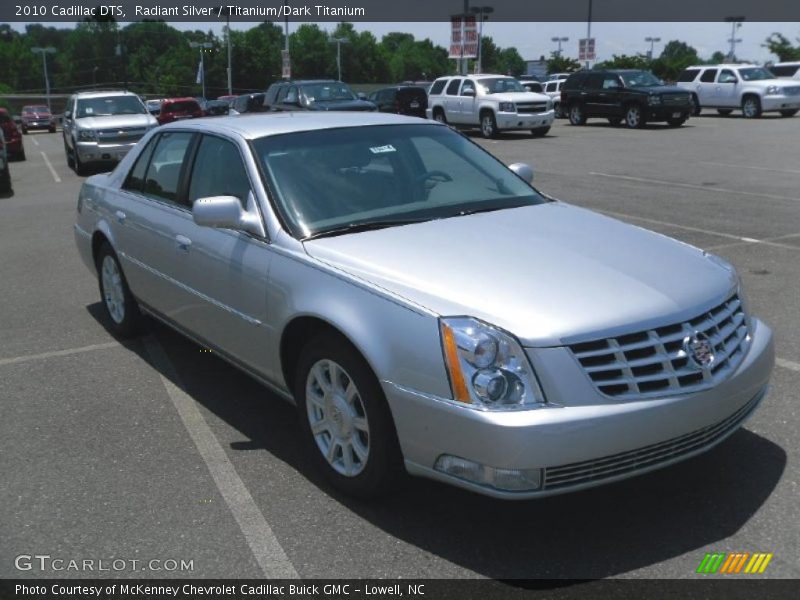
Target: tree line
152, 57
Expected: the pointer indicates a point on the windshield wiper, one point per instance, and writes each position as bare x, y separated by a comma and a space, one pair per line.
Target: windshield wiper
357, 227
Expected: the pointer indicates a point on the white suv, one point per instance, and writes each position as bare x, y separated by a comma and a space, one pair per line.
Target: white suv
786, 70
553, 89
751, 88
492, 102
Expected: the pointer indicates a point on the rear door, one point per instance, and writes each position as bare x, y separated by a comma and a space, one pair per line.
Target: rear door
706, 87
593, 96
452, 100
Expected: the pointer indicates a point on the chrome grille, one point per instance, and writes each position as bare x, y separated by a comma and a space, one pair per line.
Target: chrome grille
120, 134
655, 362
647, 457
531, 107
675, 99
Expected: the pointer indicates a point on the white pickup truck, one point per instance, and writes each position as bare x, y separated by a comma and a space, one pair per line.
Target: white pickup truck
492, 102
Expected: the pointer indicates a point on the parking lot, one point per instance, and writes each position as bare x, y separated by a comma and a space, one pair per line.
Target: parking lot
158, 450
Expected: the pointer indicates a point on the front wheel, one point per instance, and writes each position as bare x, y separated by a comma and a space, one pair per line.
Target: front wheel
540, 132
676, 122
696, 108
634, 118
724, 111
751, 107
119, 304
615, 121
488, 125
576, 115
789, 113
345, 418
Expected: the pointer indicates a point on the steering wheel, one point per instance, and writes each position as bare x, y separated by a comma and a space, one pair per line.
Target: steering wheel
437, 176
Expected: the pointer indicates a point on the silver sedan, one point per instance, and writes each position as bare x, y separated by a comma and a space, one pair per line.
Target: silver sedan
426, 309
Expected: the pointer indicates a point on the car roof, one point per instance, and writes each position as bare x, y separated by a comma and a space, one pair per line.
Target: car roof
788, 63
255, 125
722, 66
104, 93
183, 99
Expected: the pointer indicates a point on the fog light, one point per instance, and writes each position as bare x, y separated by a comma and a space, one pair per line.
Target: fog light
510, 480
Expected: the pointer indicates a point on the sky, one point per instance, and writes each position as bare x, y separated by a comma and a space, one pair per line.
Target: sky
532, 40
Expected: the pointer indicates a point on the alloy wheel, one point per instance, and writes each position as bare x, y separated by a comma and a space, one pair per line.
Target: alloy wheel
113, 292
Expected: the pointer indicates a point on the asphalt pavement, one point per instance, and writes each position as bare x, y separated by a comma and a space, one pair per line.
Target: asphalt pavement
155, 451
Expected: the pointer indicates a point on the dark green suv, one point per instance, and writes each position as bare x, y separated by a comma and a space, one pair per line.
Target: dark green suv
630, 96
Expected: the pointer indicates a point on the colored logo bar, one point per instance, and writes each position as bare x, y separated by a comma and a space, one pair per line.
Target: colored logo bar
731, 563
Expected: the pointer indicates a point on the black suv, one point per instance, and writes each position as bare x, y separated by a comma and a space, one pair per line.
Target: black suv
635, 97
314, 94
409, 100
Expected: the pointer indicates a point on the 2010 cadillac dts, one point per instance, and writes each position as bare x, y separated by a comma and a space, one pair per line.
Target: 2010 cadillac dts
423, 305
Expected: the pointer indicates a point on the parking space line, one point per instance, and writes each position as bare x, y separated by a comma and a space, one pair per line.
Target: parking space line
773, 170
265, 547
731, 236
49, 166
67, 352
34, 140
788, 364
692, 186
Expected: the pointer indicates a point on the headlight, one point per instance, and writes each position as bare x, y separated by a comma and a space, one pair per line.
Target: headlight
773, 90
87, 134
487, 367
653, 100
507, 107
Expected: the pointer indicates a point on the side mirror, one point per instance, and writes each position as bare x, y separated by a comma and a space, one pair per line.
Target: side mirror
67, 115
468, 92
361, 96
523, 171
225, 212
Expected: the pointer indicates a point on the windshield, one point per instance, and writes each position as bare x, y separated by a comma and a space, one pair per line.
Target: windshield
111, 105
500, 85
640, 79
755, 74
331, 179
328, 92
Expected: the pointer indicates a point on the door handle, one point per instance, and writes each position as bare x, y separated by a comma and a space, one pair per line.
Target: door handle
182, 242
121, 216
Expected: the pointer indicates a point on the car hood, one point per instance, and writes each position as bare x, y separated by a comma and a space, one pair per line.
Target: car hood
660, 89
519, 97
112, 121
550, 274
781, 83
343, 105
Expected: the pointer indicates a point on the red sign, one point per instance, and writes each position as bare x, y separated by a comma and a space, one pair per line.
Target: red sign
463, 36
586, 49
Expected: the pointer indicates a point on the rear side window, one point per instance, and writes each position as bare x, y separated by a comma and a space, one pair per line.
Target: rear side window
688, 75
164, 171
452, 88
574, 82
218, 171
708, 76
785, 70
594, 81
135, 180
438, 86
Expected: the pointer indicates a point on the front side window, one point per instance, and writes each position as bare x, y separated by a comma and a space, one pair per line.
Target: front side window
328, 92
135, 179
110, 105
755, 74
640, 79
611, 82
727, 76
500, 85
218, 171
332, 180
164, 171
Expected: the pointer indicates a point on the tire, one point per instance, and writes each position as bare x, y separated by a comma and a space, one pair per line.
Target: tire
634, 117
724, 111
696, 108
52, 129
70, 161
751, 107
676, 122
21, 155
558, 112
24, 131
438, 115
576, 115
346, 422
540, 132
118, 303
615, 121
789, 113
488, 125
80, 168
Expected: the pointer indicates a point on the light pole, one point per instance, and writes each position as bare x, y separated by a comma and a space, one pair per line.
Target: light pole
559, 40
202, 46
339, 41
226, 10
483, 13
588, 34
653, 41
286, 62
44, 52
736, 23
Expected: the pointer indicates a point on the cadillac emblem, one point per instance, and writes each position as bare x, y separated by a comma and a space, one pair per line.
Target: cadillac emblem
699, 349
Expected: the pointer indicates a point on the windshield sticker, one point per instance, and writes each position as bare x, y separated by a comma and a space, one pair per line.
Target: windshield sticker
383, 149
88, 110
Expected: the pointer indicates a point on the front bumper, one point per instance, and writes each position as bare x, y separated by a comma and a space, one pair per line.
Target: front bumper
33, 125
92, 152
770, 103
507, 121
663, 113
567, 441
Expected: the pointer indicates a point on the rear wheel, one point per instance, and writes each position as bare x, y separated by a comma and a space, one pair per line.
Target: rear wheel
724, 111
789, 113
634, 117
576, 115
346, 421
118, 302
80, 168
695, 103
540, 132
52, 129
751, 107
488, 125
557, 108
21, 154
676, 122
438, 115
